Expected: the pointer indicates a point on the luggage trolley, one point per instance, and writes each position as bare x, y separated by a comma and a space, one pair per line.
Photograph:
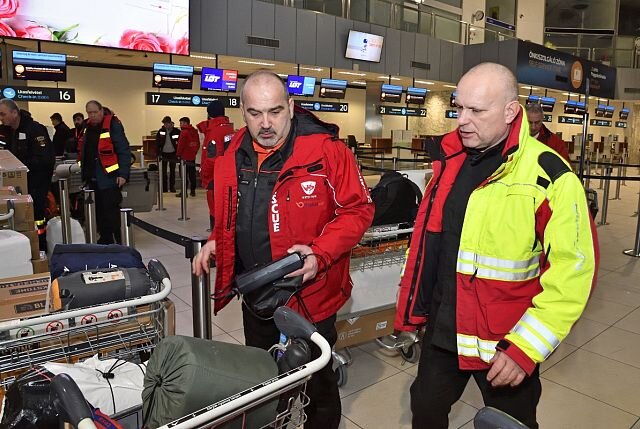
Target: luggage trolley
291, 383
126, 329
376, 264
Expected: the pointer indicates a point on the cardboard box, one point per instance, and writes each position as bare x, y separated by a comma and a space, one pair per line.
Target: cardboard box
23, 218
13, 172
24, 288
362, 329
34, 242
20, 310
40, 265
7, 190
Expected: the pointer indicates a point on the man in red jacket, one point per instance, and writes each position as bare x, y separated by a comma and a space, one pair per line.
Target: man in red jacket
188, 145
287, 184
217, 132
542, 133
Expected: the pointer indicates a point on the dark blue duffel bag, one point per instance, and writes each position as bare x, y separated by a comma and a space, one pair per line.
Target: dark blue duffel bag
70, 258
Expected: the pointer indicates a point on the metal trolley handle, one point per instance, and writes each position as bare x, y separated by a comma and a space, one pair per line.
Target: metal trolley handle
70, 403
158, 273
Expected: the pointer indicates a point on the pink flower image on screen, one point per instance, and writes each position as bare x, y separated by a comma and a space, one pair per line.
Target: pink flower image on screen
8, 8
30, 29
182, 46
132, 39
6, 30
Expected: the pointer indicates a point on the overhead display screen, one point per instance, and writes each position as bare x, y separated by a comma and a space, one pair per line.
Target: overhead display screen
141, 25
218, 80
333, 88
364, 46
391, 93
416, 95
39, 66
575, 107
624, 113
172, 76
301, 85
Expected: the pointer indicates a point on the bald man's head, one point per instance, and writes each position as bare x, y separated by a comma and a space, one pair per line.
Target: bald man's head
487, 102
264, 77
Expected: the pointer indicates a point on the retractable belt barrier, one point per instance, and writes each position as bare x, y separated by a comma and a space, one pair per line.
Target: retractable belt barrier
200, 285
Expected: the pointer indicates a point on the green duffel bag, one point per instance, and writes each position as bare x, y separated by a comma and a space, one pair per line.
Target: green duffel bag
186, 374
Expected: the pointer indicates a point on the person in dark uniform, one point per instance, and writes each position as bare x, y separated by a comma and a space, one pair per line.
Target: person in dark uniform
73, 145
167, 143
30, 143
105, 170
62, 134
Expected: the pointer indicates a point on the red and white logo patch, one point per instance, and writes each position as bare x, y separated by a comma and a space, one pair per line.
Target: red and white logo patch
308, 187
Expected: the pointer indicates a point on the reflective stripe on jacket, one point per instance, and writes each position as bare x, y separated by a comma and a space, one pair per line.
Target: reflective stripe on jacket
106, 150
528, 253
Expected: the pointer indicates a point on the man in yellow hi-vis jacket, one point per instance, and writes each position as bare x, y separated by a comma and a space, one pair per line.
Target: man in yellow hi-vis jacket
502, 260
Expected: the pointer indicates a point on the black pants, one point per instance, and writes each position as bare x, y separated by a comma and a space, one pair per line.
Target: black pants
324, 410
440, 383
108, 215
190, 166
169, 161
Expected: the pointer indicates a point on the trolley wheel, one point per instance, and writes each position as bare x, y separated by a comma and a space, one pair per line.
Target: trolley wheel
411, 354
341, 371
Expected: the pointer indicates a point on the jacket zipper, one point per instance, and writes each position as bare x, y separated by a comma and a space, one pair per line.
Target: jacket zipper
229, 208
289, 172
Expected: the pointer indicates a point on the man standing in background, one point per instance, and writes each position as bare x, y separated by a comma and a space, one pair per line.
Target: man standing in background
542, 133
62, 134
167, 144
188, 145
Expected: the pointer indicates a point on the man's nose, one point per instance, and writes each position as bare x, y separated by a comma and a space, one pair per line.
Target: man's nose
463, 116
265, 122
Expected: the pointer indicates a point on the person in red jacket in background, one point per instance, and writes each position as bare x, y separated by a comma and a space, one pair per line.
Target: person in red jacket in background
542, 133
188, 145
217, 131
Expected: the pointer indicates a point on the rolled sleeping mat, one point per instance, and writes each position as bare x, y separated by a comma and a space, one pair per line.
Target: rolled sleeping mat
186, 374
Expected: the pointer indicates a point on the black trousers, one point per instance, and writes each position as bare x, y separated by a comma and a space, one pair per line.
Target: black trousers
169, 162
39, 190
108, 215
190, 166
440, 383
324, 410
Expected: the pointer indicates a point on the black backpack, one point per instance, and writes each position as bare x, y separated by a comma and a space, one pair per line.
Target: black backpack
396, 199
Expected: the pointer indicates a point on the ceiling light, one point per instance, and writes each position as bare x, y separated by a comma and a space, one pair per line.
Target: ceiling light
282, 75
72, 56
387, 77
533, 88
257, 63
450, 86
318, 69
567, 93
352, 73
204, 57
523, 96
357, 82
425, 82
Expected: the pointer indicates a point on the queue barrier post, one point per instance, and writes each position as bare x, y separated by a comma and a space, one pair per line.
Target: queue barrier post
126, 227
200, 296
65, 210
91, 233
617, 197
605, 196
160, 185
635, 252
183, 191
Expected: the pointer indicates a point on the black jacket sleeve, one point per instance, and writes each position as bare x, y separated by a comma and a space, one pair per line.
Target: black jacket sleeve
40, 151
121, 146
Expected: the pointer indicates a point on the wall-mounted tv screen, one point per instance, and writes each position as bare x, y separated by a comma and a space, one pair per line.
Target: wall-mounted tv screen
608, 111
39, 66
141, 25
218, 79
175, 76
624, 113
547, 103
600, 108
573, 107
391, 93
416, 95
452, 99
364, 46
301, 85
533, 99
333, 88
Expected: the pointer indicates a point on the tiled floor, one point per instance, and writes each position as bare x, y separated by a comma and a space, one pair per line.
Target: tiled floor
591, 381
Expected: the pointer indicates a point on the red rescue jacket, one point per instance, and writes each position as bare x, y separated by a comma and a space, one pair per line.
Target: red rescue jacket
326, 206
188, 143
106, 150
217, 131
554, 142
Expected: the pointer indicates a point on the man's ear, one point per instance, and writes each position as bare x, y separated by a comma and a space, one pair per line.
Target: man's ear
511, 110
291, 107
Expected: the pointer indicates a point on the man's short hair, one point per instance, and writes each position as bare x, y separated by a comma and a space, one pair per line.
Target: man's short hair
95, 103
502, 75
78, 115
533, 108
11, 105
267, 74
185, 119
57, 116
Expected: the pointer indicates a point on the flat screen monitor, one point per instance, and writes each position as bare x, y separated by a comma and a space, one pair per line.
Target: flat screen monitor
218, 79
452, 99
391, 93
364, 46
333, 88
141, 25
547, 103
416, 95
173, 76
573, 107
600, 108
624, 113
301, 85
39, 66
608, 111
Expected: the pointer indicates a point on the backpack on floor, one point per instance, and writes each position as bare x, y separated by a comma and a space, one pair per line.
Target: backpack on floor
396, 199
